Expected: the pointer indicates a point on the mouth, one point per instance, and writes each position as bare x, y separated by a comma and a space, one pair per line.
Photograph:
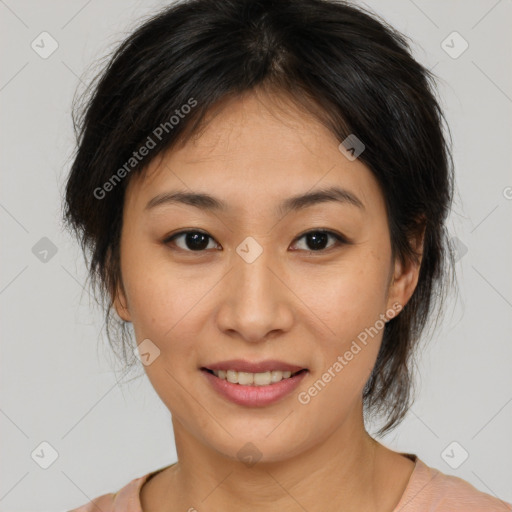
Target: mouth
253, 384
253, 379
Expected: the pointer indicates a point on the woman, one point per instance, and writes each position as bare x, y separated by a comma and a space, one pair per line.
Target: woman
262, 188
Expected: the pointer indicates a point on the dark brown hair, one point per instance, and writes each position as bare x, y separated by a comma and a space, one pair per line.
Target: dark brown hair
343, 64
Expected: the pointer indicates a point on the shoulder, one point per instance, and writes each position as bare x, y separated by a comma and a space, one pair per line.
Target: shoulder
125, 500
104, 503
430, 490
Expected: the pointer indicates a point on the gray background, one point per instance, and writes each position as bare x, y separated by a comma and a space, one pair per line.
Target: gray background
57, 380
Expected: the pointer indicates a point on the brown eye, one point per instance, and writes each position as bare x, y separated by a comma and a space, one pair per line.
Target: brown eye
317, 240
191, 241
199, 241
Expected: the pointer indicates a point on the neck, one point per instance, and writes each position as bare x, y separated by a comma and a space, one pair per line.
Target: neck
340, 469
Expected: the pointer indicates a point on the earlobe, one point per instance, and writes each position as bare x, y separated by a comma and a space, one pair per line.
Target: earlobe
405, 277
403, 284
116, 288
121, 305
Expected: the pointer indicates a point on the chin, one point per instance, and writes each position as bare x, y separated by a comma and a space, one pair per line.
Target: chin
258, 446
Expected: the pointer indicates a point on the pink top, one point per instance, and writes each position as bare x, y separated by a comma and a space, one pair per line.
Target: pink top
428, 490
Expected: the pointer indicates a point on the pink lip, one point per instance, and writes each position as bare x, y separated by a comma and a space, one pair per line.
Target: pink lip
254, 396
239, 365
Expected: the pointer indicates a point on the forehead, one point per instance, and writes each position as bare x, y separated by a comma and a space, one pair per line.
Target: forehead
261, 148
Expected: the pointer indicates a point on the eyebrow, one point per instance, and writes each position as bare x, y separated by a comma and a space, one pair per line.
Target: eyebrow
209, 203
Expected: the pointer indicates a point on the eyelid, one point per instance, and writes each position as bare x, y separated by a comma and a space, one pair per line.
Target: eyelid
169, 238
326, 231
340, 238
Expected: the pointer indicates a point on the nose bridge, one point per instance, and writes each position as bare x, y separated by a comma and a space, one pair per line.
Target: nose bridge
257, 303
255, 279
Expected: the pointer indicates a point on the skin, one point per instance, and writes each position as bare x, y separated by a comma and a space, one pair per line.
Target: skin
298, 306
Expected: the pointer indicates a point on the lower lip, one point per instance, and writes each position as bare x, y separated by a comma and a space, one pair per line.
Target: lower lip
254, 396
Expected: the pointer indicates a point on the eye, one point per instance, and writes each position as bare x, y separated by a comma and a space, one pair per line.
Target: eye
317, 240
194, 241
198, 241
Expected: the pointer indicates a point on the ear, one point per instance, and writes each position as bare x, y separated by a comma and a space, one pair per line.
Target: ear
405, 276
116, 287
121, 304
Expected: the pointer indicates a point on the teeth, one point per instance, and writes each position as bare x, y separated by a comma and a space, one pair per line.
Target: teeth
252, 379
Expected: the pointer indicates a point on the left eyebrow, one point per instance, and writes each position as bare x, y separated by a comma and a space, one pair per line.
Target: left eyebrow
331, 194
210, 203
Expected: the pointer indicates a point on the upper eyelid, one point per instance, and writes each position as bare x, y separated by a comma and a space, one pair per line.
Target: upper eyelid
340, 238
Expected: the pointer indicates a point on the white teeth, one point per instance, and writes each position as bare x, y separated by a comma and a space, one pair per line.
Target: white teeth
252, 379
232, 376
245, 379
263, 379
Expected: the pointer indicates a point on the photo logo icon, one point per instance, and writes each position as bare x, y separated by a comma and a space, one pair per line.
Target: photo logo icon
44, 455
454, 45
249, 454
351, 147
249, 250
146, 352
44, 45
454, 455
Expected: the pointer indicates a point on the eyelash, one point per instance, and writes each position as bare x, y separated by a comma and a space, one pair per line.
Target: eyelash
340, 239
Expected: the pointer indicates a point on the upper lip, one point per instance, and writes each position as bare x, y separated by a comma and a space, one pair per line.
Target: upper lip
241, 365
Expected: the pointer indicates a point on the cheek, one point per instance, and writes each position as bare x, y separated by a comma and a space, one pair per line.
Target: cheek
349, 302
348, 296
159, 295
351, 307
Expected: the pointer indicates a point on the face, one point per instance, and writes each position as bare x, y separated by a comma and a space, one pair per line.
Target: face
257, 281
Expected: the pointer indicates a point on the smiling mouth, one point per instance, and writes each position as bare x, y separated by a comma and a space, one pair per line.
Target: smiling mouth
253, 379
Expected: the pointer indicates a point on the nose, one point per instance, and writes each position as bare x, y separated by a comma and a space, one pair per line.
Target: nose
256, 303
